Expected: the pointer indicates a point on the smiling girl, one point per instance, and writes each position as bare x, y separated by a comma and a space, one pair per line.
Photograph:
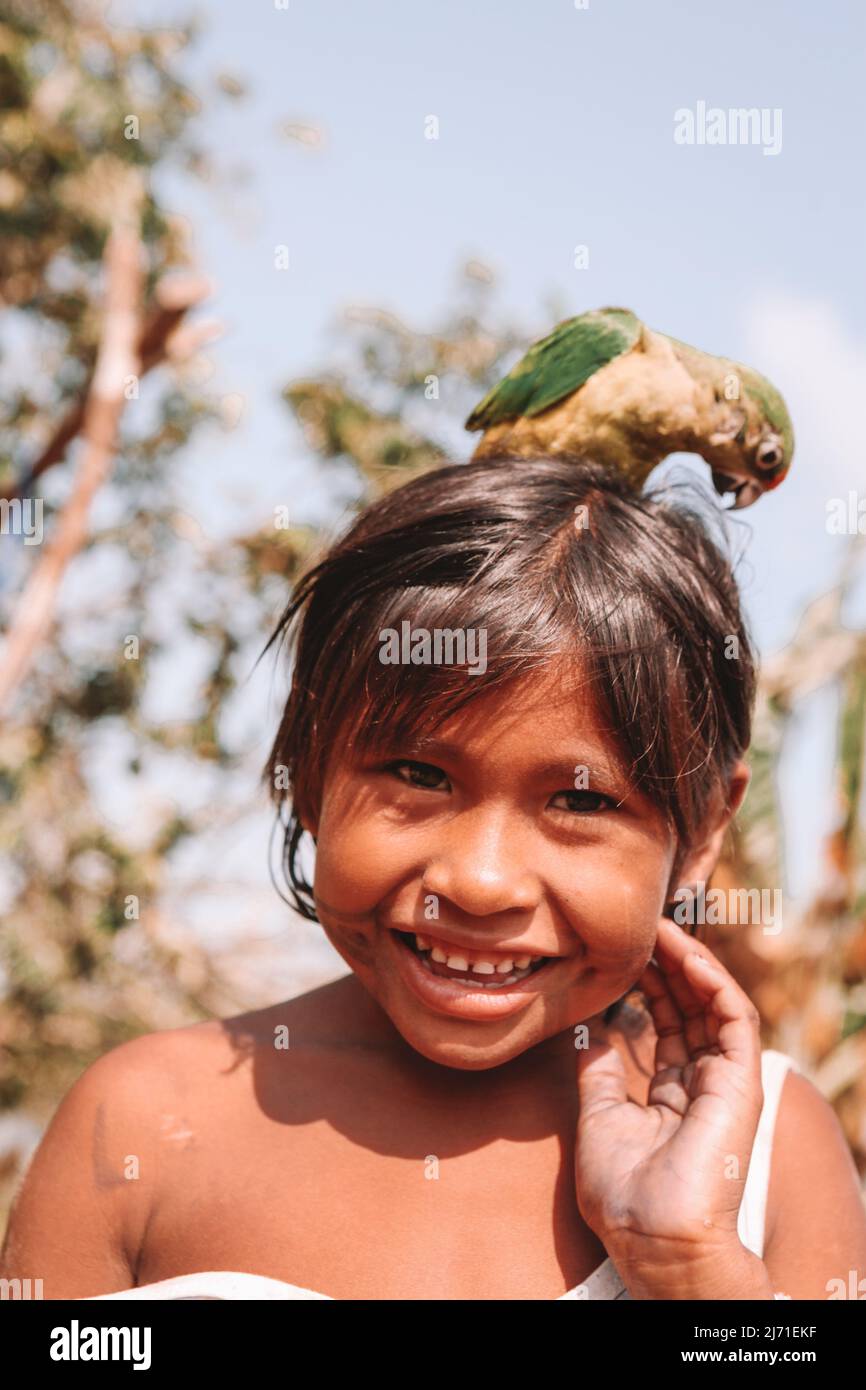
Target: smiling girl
531, 1083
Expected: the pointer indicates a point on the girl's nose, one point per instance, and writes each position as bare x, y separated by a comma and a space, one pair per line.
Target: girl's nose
482, 864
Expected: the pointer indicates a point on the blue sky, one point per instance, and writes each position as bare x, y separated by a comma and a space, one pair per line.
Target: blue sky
556, 128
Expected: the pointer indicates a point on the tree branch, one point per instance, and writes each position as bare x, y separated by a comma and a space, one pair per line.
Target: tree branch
116, 361
175, 296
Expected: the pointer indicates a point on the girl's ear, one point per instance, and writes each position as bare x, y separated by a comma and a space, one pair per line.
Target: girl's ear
702, 858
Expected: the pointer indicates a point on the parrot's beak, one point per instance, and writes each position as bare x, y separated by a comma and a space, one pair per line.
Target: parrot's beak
745, 491
745, 495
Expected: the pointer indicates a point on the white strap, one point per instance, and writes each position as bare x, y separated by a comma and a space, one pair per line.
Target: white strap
753, 1207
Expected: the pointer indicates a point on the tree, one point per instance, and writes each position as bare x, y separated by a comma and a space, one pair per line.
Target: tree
89, 112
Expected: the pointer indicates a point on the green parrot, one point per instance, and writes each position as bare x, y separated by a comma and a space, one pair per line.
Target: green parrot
603, 385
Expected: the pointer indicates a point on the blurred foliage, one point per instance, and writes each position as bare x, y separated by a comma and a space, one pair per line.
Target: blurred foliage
808, 979
88, 109
88, 956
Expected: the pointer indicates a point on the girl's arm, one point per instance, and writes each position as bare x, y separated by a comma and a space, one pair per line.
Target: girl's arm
815, 1241
80, 1212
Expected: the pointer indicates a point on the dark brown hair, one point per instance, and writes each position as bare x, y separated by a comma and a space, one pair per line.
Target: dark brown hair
552, 559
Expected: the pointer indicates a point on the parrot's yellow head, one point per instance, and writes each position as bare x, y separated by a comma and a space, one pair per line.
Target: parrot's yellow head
754, 456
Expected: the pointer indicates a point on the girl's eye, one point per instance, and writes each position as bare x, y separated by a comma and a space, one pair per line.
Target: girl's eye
419, 774
584, 802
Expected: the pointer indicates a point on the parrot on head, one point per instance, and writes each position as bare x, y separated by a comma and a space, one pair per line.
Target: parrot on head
603, 385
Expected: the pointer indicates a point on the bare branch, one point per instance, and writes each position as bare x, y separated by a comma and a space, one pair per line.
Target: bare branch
117, 360
158, 338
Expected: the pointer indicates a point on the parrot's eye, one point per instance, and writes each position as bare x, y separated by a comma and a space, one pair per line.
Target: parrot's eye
768, 455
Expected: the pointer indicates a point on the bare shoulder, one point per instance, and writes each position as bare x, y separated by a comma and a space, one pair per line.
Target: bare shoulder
184, 1064
136, 1081
124, 1132
78, 1206
181, 1064
178, 1066
146, 1066
816, 1219
182, 1060
82, 1205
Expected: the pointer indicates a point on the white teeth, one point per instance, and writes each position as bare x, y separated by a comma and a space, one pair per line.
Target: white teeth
504, 968
499, 983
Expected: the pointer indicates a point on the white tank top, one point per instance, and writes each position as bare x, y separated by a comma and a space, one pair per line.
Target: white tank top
603, 1283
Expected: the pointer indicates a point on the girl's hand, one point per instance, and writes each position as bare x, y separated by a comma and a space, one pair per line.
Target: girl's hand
661, 1183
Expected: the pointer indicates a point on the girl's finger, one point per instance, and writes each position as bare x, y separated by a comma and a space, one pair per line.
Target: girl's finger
739, 1035
673, 945
672, 1048
700, 1033
601, 1081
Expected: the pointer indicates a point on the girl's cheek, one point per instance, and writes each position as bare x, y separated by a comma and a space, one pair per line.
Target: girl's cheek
352, 871
616, 917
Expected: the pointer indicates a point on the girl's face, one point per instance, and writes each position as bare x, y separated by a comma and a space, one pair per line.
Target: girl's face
512, 832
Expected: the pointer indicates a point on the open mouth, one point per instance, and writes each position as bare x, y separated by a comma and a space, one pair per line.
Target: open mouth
489, 977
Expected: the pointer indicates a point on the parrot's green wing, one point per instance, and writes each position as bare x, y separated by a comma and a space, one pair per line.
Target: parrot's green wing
557, 365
